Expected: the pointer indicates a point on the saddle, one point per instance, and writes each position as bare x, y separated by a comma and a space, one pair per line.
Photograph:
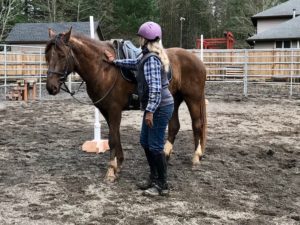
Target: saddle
126, 50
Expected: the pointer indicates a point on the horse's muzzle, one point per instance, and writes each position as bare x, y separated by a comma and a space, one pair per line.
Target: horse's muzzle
52, 89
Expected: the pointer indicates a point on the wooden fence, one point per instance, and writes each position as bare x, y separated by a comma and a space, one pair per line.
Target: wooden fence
255, 64
22, 64
220, 64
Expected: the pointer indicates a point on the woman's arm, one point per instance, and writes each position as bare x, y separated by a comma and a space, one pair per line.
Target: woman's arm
152, 71
130, 64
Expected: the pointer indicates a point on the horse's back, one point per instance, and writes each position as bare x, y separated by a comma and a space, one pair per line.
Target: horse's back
189, 73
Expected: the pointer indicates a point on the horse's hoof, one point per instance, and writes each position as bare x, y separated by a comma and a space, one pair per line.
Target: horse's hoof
119, 168
196, 160
110, 176
196, 166
110, 179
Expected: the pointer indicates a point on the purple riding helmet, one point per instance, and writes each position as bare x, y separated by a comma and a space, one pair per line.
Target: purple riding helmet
150, 31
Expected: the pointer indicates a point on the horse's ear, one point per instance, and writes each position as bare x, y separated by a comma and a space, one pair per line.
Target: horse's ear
52, 33
68, 35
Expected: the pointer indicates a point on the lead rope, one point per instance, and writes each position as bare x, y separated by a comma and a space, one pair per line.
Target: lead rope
66, 89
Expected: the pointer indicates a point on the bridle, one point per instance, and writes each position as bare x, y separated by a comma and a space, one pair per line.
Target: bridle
66, 72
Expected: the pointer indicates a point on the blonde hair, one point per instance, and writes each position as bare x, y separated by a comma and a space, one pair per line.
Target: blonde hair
157, 47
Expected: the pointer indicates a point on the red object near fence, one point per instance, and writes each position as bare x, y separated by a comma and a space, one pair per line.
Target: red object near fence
217, 43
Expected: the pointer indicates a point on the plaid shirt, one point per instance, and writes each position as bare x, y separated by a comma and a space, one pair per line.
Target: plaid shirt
152, 72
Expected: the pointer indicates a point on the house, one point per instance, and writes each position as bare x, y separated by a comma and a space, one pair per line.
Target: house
277, 27
36, 34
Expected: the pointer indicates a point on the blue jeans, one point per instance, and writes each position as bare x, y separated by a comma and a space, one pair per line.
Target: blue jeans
153, 138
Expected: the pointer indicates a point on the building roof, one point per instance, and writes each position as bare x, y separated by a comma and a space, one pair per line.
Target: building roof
285, 31
38, 32
284, 10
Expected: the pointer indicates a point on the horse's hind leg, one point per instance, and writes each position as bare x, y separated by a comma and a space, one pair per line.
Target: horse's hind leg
173, 126
197, 110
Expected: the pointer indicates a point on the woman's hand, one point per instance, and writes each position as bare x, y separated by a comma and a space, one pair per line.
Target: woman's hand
109, 56
149, 119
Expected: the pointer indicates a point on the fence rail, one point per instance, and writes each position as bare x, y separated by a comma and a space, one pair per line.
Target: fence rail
231, 66
261, 64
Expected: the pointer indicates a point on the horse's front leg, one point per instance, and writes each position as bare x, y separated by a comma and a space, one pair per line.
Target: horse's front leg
116, 151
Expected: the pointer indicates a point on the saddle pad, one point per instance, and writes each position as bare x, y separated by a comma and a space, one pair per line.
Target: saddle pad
126, 50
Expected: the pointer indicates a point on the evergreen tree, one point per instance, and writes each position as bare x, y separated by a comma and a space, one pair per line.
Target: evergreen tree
129, 15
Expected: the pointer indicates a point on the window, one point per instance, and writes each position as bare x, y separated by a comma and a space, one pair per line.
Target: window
295, 44
287, 44
278, 44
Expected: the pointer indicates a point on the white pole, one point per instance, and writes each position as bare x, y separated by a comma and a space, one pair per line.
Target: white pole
97, 125
181, 24
291, 73
246, 73
70, 82
40, 84
5, 69
201, 48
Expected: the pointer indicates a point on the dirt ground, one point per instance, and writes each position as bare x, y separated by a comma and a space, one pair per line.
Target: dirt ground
249, 175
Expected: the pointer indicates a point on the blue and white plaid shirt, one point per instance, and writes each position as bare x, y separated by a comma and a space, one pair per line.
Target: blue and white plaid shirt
152, 71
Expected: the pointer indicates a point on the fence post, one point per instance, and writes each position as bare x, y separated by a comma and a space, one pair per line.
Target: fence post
5, 69
292, 73
70, 82
40, 84
246, 73
201, 48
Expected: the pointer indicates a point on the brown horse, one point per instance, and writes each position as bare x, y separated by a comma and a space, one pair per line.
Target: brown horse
109, 91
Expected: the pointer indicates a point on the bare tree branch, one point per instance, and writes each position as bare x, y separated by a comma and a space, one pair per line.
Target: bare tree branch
7, 12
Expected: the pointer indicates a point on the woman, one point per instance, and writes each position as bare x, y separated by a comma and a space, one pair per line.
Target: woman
157, 102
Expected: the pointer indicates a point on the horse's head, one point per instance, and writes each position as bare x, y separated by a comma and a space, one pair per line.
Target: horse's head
59, 58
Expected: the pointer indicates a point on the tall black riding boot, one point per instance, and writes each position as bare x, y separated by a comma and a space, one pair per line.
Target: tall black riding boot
149, 182
161, 185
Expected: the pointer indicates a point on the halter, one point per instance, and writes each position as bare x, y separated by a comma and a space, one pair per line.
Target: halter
65, 73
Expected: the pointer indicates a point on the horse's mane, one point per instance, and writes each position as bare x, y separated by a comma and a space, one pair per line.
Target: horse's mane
59, 42
91, 42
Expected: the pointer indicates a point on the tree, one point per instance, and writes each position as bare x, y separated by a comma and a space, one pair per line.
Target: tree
129, 15
197, 14
238, 17
9, 9
68, 11
121, 19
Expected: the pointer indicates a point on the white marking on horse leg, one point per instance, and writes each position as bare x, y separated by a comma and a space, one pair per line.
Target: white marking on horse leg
198, 153
168, 148
111, 172
206, 102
